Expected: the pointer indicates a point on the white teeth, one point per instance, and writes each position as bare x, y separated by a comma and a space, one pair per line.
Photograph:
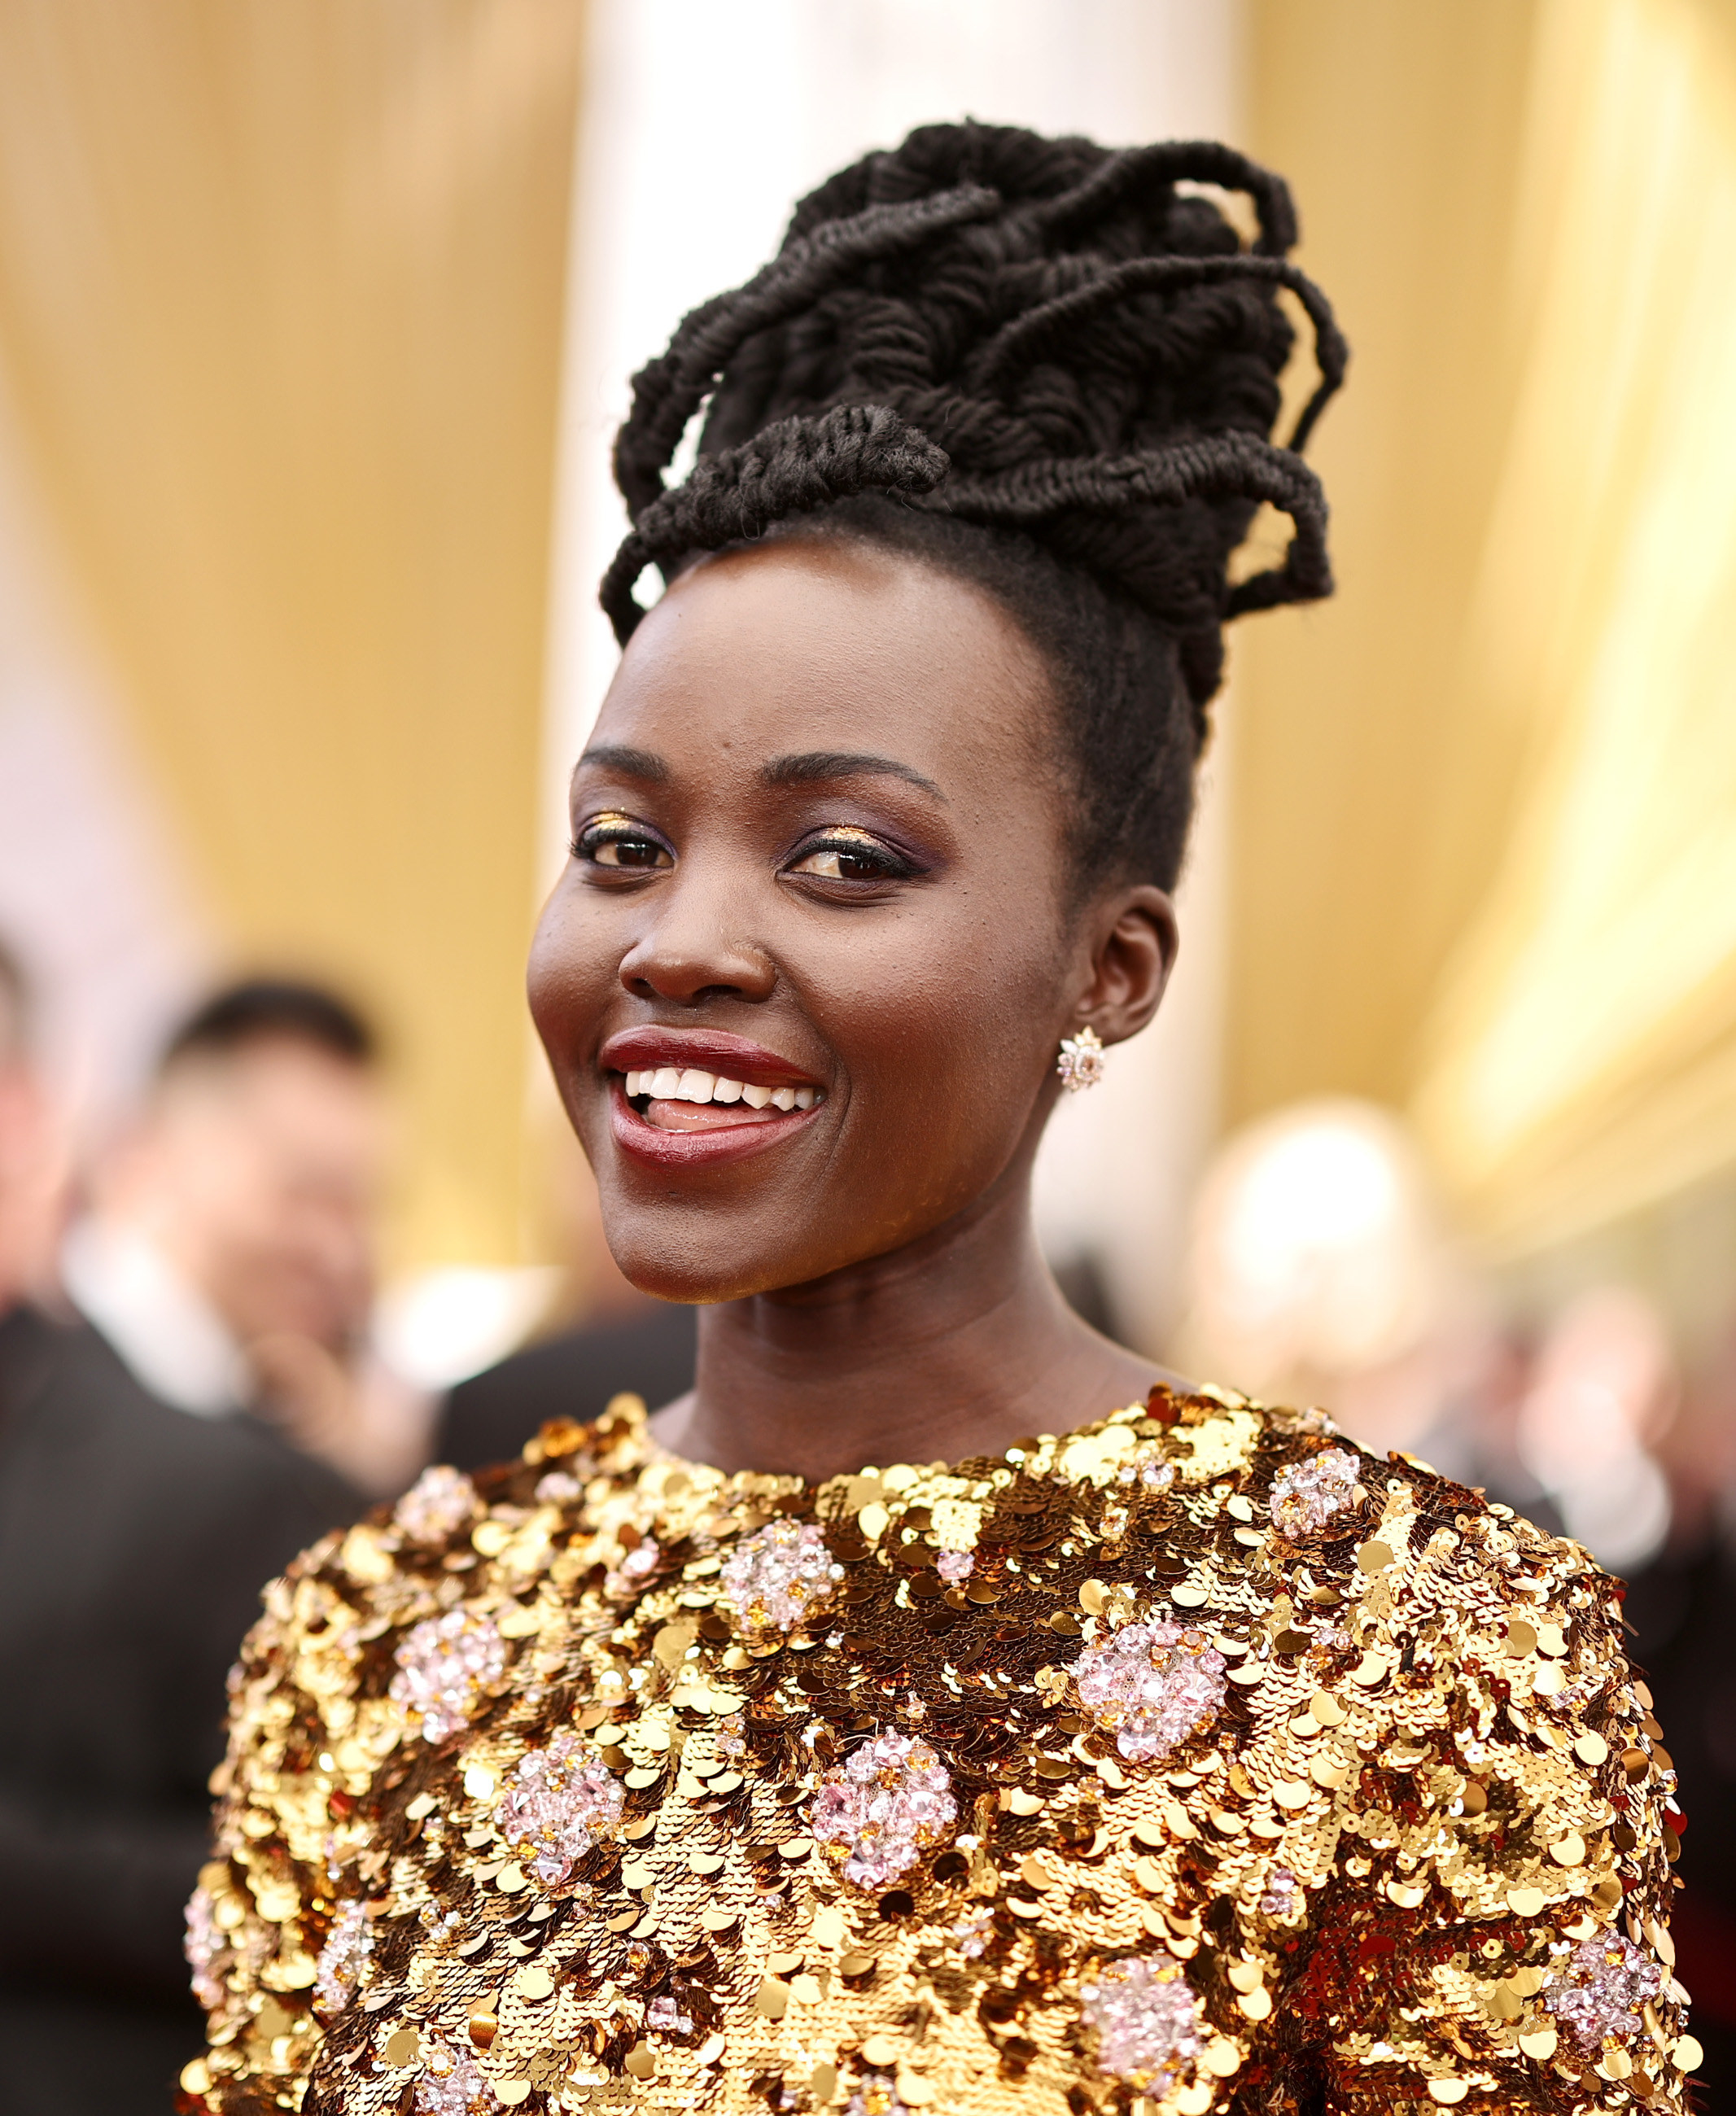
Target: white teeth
667, 1083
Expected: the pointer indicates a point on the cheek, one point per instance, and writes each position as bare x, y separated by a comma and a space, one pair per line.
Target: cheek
564, 979
945, 1029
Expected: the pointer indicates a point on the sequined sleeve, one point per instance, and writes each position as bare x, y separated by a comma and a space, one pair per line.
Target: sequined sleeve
249, 1942
1493, 1931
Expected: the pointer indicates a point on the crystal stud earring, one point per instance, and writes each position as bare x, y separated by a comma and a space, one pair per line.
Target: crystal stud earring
1081, 1063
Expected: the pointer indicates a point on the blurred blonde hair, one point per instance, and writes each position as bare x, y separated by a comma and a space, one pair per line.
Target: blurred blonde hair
1320, 1269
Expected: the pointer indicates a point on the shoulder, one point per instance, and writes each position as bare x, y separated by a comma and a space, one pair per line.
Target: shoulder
231, 1472
397, 1631
65, 1380
1333, 1507
1446, 1688
1409, 1591
443, 1575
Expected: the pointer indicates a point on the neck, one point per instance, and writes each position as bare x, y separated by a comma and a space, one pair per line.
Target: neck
957, 1345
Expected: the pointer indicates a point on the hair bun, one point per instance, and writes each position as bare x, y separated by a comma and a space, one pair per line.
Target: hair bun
789, 468
1036, 335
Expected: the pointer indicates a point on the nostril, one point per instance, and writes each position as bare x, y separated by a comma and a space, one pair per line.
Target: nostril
659, 969
650, 988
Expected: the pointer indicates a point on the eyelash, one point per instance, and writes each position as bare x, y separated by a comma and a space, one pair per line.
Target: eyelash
588, 842
617, 831
859, 845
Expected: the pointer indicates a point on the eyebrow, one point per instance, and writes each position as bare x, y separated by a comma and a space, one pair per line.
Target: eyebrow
630, 763
810, 766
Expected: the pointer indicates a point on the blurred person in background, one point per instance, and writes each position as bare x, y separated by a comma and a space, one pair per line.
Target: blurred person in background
141, 1510
229, 1253
1600, 1391
1683, 1607
1321, 1270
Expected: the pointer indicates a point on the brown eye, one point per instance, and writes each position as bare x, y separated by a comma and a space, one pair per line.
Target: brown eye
630, 852
851, 857
836, 864
616, 842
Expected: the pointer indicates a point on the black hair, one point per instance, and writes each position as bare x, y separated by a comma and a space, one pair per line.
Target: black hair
270, 1010
1049, 367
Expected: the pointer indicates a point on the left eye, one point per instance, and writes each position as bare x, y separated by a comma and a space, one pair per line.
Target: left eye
628, 852
857, 860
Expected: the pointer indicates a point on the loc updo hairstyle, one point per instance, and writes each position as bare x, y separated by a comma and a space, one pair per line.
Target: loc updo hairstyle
1044, 366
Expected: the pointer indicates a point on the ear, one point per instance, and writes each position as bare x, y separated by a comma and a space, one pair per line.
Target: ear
1131, 937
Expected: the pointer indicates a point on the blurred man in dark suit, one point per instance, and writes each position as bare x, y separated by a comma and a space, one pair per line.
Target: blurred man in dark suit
135, 1532
229, 1251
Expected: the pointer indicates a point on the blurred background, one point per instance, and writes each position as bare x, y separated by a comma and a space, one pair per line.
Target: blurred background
315, 323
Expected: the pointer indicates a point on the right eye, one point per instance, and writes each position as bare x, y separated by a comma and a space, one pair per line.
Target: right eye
618, 842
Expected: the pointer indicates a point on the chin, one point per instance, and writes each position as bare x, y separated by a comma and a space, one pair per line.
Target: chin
706, 1251
672, 1272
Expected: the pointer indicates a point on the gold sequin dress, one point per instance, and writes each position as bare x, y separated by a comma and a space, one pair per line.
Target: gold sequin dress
1195, 1761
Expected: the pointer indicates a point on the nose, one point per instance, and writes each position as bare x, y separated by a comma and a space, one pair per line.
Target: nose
690, 951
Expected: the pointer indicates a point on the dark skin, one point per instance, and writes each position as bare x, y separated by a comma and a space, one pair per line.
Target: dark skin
823, 810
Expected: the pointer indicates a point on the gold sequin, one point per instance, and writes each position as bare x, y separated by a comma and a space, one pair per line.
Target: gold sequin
1410, 1774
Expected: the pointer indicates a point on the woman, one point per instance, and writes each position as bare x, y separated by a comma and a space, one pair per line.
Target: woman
841, 1737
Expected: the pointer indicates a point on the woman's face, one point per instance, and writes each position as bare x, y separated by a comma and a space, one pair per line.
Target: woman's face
819, 857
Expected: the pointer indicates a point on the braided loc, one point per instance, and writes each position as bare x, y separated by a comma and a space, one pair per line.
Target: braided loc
1045, 366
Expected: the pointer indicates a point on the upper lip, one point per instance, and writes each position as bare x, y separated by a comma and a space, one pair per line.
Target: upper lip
711, 1050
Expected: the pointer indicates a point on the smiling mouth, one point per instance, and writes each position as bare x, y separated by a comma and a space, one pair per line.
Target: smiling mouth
686, 1099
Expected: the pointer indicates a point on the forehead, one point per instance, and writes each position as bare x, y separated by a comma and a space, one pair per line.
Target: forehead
273, 1084
818, 645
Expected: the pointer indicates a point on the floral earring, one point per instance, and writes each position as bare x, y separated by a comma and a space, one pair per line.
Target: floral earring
1081, 1063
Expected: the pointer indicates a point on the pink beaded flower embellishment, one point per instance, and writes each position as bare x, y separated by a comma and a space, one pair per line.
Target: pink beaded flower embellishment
559, 1802
1146, 2022
776, 1579
206, 1947
1306, 1495
890, 1802
1082, 1063
343, 1958
636, 1567
1604, 1983
441, 1502
446, 1667
1151, 1685
452, 2085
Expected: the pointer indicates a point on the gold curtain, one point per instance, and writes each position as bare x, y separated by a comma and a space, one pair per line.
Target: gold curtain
1365, 810
1487, 801
280, 312
1580, 1060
